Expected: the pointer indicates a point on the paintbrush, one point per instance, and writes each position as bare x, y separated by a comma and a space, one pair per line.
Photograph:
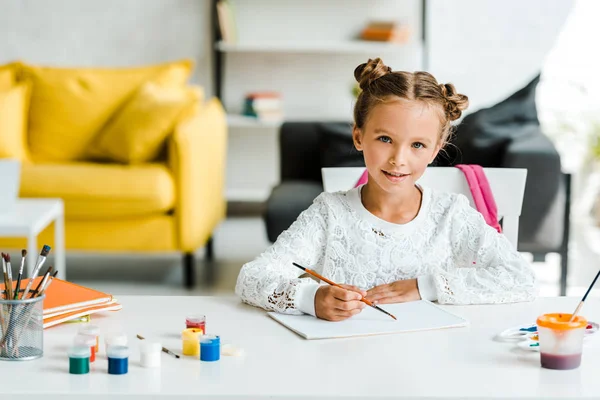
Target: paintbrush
6, 290
584, 297
47, 284
43, 282
18, 288
40, 261
9, 273
318, 276
163, 349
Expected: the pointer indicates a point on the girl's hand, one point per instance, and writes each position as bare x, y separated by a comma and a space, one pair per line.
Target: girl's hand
395, 292
335, 304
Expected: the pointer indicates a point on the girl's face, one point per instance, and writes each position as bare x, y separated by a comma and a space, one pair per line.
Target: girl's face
398, 141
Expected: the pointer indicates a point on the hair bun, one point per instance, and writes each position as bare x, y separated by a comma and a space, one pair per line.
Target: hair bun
368, 72
456, 103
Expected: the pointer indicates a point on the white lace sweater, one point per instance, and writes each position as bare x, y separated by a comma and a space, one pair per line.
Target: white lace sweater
455, 256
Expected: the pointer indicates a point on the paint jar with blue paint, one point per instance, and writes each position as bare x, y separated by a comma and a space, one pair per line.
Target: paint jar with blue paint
118, 359
210, 348
79, 360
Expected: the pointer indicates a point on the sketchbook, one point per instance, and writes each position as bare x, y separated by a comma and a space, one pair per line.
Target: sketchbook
412, 316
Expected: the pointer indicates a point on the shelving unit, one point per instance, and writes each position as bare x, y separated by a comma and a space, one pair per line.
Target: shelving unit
295, 58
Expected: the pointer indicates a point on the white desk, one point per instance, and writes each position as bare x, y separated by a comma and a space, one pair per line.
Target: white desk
278, 364
29, 218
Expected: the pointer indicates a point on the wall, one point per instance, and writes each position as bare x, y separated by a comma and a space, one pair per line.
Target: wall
106, 32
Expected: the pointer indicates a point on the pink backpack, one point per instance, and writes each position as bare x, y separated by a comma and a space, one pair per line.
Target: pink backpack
480, 190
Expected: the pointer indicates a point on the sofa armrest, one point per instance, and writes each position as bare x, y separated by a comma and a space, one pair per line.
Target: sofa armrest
542, 219
196, 155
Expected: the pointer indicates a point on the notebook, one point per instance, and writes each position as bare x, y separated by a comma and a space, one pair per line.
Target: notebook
412, 316
66, 296
69, 316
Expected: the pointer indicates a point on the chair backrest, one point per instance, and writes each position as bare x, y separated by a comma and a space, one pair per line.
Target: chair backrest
507, 184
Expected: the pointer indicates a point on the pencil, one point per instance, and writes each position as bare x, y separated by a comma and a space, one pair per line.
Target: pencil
163, 349
318, 276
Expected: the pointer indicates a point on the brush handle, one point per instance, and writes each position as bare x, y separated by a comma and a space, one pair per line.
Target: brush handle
16, 297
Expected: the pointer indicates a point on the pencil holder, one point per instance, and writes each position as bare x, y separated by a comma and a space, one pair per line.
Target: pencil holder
21, 329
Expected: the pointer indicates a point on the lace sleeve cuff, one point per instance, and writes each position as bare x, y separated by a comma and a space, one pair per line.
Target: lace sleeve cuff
426, 286
305, 298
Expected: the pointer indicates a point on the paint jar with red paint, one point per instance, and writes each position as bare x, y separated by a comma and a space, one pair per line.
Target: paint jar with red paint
561, 340
196, 321
82, 340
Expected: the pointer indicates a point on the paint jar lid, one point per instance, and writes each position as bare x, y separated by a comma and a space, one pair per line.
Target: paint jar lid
191, 333
84, 340
150, 347
90, 330
210, 339
118, 338
79, 352
197, 318
117, 351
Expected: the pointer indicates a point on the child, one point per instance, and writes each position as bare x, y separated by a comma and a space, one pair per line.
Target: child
390, 239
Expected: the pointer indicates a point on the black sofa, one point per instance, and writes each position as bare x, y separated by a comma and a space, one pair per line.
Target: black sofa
505, 135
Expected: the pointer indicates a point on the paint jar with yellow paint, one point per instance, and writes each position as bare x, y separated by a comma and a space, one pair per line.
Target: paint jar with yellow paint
191, 341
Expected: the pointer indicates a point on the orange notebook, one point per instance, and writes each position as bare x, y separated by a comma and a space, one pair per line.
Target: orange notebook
66, 296
64, 317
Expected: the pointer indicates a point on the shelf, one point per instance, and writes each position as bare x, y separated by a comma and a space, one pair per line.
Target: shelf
340, 47
241, 121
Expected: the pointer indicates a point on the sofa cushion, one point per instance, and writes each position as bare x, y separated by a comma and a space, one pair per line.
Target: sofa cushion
138, 132
101, 191
70, 105
14, 104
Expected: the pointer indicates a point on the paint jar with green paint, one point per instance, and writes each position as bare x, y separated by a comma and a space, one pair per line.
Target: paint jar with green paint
79, 360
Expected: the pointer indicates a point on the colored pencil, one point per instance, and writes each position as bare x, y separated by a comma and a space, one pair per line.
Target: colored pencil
319, 276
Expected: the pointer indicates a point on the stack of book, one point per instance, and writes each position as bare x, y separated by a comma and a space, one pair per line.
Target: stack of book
66, 301
264, 106
381, 31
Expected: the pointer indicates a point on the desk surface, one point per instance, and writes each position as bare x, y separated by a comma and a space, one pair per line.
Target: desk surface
452, 363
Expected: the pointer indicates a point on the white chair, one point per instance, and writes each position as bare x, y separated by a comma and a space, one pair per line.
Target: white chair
507, 184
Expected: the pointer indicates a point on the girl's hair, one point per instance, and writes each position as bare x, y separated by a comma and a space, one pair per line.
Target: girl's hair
379, 84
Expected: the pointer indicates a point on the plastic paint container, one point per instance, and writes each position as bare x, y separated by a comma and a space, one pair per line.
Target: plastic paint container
118, 360
196, 321
115, 339
561, 341
210, 348
92, 330
79, 360
87, 341
190, 341
150, 353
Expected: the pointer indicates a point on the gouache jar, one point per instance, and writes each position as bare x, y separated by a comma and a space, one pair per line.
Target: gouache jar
210, 348
150, 353
196, 321
92, 330
115, 339
561, 341
87, 341
79, 360
190, 341
118, 360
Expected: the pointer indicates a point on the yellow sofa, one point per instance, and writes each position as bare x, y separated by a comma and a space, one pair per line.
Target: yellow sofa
123, 198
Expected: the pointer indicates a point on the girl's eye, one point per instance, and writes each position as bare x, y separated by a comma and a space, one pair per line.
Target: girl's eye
385, 139
418, 145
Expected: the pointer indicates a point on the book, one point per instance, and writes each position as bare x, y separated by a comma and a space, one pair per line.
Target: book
64, 296
76, 314
412, 316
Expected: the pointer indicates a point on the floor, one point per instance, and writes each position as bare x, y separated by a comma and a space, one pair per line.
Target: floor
240, 239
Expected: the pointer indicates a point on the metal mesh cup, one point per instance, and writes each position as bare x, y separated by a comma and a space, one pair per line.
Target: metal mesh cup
21, 329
